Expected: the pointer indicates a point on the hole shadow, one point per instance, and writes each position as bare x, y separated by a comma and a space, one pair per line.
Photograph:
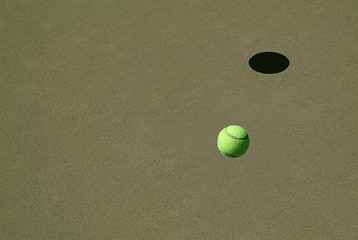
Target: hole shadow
269, 62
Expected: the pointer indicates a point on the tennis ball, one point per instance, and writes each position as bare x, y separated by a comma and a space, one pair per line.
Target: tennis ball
233, 141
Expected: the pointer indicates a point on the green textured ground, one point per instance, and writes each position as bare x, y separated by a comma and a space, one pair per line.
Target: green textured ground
109, 113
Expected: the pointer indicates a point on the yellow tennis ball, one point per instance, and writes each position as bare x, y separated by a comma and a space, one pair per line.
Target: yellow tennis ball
233, 141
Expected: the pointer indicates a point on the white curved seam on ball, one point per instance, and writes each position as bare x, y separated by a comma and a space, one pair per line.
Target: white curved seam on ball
235, 137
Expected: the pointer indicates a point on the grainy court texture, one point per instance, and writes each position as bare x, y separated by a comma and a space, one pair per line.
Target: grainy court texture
110, 111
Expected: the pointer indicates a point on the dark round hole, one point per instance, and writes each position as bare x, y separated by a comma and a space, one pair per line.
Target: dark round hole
269, 62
